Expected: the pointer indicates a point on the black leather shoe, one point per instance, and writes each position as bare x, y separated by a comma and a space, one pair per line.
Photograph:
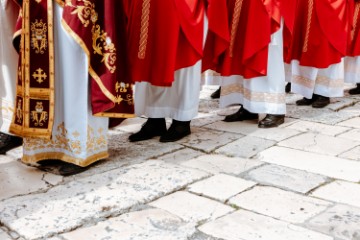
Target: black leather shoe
8, 142
177, 131
355, 91
216, 94
153, 127
272, 120
241, 115
321, 102
288, 87
306, 101
59, 167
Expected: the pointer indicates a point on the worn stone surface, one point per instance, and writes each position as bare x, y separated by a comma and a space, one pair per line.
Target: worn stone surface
279, 204
220, 187
353, 154
286, 178
249, 128
4, 235
291, 192
150, 224
341, 192
306, 126
208, 140
97, 196
245, 147
180, 156
353, 135
221, 164
325, 115
354, 123
18, 179
203, 119
246, 225
319, 143
340, 221
333, 167
191, 208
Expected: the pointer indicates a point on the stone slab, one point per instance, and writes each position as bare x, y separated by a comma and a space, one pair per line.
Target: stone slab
208, 140
332, 167
68, 206
4, 235
245, 147
319, 143
249, 128
150, 224
353, 123
221, 164
353, 135
180, 156
306, 126
131, 125
325, 115
203, 119
191, 208
246, 225
340, 192
220, 187
286, 178
19, 179
353, 154
279, 204
340, 221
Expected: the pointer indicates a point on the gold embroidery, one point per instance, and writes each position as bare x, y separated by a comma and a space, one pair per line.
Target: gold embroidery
39, 116
19, 111
278, 98
355, 20
63, 140
320, 80
38, 1
39, 75
102, 43
83, 162
235, 25
144, 30
297, 79
308, 24
328, 82
38, 36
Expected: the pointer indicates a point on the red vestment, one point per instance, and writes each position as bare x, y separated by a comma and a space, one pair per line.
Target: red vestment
239, 36
354, 36
164, 36
320, 32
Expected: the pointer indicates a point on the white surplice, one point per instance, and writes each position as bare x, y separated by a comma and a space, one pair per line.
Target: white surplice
179, 102
8, 63
352, 69
327, 82
261, 94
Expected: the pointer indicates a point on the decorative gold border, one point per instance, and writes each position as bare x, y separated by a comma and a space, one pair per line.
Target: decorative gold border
32, 159
235, 25
308, 24
320, 80
92, 72
355, 20
278, 98
24, 90
144, 30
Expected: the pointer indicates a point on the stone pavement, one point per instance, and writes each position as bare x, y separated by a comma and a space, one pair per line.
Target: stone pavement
228, 181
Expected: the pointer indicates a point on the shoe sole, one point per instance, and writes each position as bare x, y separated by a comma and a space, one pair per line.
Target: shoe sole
271, 126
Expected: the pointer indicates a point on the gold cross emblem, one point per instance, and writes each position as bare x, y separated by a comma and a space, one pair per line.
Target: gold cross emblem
39, 75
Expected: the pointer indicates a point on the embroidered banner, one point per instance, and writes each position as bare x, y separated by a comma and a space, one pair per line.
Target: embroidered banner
34, 107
